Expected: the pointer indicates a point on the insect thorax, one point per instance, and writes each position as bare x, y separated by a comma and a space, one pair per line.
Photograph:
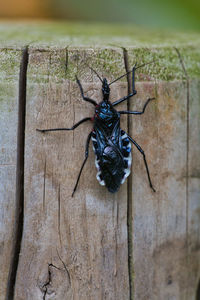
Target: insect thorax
106, 115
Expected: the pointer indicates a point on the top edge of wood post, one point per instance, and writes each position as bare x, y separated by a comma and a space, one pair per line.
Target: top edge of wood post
166, 48
65, 34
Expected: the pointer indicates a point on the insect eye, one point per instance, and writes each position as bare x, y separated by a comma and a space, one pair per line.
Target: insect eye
103, 105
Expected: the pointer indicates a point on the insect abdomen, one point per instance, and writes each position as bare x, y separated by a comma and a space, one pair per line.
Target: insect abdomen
113, 163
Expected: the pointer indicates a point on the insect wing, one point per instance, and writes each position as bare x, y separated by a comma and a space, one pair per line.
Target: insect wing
109, 160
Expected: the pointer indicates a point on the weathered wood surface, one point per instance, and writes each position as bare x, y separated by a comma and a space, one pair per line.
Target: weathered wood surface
9, 78
72, 248
81, 247
166, 248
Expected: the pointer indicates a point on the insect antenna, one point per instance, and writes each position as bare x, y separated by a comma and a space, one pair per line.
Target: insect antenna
151, 62
96, 73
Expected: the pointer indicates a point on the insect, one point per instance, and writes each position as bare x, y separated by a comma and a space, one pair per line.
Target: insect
111, 145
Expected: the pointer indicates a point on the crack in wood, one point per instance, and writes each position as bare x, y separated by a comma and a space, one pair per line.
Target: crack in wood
44, 185
187, 133
19, 201
66, 61
129, 193
59, 233
49, 280
65, 267
187, 142
44, 287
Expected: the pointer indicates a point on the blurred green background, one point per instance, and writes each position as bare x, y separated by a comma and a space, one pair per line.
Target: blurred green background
167, 14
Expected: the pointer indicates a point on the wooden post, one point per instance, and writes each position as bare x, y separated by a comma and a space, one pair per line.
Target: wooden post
135, 244
164, 224
76, 246
9, 78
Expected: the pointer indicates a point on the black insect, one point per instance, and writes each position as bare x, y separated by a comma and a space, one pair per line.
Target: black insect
111, 144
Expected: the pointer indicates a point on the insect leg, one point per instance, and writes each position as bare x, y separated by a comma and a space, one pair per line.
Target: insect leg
82, 93
145, 162
86, 157
137, 112
134, 92
72, 128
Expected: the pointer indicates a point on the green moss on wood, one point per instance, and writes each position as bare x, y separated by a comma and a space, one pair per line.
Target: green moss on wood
191, 59
9, 77
107, 62
90, 34
9, 64
166, 64
70, 48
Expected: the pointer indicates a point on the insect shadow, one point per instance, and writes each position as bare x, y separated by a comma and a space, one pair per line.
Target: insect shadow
111, 145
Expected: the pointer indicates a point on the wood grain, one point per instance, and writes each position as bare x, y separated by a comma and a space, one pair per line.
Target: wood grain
193, 207
9, 66
73, 248
84, 247
165, 223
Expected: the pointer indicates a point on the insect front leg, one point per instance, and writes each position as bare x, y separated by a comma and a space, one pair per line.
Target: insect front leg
137, 112
86, 157
82, 93
72, 128
134, 92
145, 162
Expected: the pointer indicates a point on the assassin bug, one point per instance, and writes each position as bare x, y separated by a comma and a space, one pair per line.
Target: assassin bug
111, 145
